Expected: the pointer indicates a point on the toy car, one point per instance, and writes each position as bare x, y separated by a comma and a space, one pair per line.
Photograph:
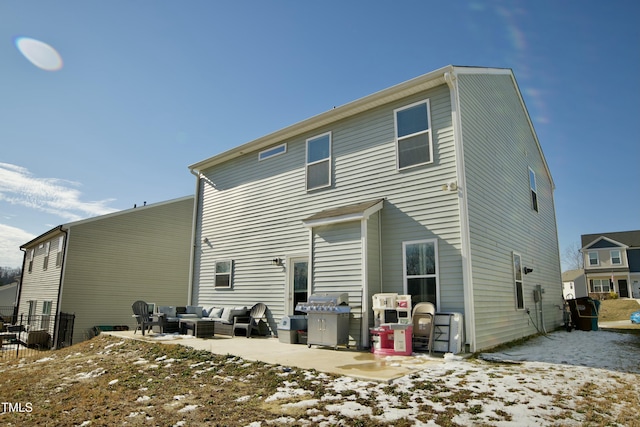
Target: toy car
635, 317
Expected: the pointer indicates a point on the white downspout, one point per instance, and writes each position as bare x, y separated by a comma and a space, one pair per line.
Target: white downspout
364, 317
465, 250
194, 230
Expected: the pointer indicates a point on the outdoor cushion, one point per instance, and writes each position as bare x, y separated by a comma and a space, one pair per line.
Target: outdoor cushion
238, 311
169, 311
226, 314
194, 310
214, 312
188, 316
229, 313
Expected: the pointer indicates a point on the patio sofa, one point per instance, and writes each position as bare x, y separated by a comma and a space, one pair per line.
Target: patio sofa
225, 317
29, 337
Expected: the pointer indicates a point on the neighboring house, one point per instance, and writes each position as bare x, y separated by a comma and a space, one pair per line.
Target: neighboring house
436, 187
8, 294
96, 268
612, 263
574, 284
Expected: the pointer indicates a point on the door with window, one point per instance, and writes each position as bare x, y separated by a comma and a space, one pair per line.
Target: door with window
298, 283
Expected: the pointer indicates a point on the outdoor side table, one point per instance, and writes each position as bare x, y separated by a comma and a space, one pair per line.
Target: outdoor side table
200, 328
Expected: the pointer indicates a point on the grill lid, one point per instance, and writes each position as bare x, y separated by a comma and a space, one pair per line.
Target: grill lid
326, 303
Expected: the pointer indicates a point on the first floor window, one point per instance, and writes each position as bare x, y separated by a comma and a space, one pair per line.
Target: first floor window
319, 161
600, 285
420, 260
413, 135
32, 312
615, 257
223, 273
46, 314
517, 277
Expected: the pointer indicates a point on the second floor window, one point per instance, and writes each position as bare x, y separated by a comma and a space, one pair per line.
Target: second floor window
47, 248
593, 258
534, 190
319, 161
615, 257
413, 135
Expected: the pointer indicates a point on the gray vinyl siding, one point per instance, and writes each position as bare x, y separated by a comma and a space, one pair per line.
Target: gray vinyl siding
113, 261
252, 211
337, 267
40, 284
499, 147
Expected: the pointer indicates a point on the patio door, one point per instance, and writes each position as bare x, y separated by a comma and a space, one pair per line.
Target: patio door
297, 283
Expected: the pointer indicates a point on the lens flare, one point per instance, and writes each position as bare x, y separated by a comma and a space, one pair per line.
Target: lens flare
39, 53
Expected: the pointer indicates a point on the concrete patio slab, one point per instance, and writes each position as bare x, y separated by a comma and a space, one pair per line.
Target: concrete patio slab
358, 364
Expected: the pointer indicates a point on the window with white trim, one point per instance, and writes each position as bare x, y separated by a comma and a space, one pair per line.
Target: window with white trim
420, 259
272, 152
413, 135
60, 253
47, 249
31, 318
593, 258
318, 169
517, 278
31, 255
600, 285
223, 274
46, 314
534, 190
615, 257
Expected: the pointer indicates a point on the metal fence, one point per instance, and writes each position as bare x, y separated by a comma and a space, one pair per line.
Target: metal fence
31, 334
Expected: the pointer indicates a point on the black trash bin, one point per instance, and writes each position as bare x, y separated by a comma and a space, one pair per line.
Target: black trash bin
584, 313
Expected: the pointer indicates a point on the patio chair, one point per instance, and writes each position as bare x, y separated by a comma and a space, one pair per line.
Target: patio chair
424, 314
255, 315
145, 319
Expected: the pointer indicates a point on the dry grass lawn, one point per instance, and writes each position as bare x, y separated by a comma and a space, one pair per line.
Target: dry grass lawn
617, 309
110, 381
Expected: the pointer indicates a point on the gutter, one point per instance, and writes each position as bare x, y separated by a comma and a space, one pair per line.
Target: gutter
19, 293
465, 237
63, 264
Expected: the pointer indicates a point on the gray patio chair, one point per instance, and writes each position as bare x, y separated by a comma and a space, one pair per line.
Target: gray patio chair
145, 319
255, 315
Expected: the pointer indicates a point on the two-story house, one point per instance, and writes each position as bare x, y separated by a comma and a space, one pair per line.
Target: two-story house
612, 263
436, 188
96, 268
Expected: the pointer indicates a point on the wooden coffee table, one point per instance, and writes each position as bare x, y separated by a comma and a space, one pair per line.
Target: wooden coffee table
200, 328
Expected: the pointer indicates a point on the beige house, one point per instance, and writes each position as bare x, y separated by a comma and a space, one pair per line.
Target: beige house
97, 267
612, 263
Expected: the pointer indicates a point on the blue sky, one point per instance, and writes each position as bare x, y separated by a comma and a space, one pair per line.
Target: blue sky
148, 88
